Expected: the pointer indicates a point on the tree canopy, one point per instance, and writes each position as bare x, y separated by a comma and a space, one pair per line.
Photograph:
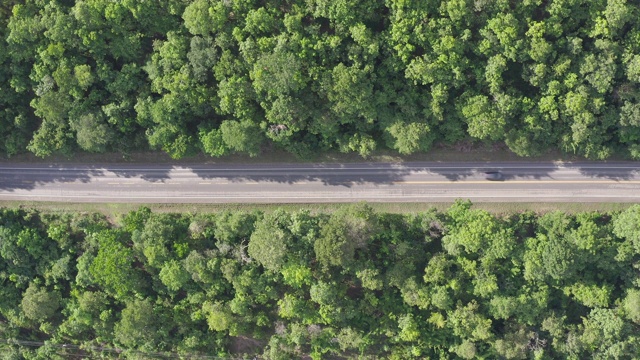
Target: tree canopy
221, 77
350, 284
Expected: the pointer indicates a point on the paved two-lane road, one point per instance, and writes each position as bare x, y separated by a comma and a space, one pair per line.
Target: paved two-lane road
307, 183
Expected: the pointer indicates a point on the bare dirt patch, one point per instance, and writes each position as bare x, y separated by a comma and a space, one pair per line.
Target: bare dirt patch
246, 345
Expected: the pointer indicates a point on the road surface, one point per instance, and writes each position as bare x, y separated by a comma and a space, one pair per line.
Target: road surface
311, 183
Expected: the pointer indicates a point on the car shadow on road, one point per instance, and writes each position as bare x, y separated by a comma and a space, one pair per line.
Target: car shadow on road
479, 171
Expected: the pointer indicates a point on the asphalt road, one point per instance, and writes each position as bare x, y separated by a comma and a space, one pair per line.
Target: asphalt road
311, 183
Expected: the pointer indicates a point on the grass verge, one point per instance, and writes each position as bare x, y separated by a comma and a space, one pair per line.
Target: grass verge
440, 153
113, 211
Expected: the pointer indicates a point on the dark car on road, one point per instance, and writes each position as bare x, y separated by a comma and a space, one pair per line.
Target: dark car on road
493, 175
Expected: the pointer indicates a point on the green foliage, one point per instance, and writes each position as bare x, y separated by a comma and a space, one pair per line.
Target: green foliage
92, 134
269, 241
345, 232
353, 284
89, 314
515, 343
605, 335
627, 226
241, 136
38, 304
631, 305
467, 323
112, 266
410, 138
408, 328
466, 350
212, 142
218, 318
173, 275
139, 326
484, 120
333, 247
306, 77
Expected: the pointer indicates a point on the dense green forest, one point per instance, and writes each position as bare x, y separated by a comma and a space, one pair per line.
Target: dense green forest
459, 284
307, 76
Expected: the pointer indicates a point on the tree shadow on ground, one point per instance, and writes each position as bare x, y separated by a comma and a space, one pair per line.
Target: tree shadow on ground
346, 175
27, 177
